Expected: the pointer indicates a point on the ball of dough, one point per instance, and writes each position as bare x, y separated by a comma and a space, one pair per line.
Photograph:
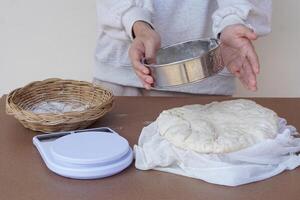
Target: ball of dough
218, 127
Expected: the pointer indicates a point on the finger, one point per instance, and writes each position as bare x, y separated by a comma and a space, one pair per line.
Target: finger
244, 83
147, 86
242, 79
253, 58
136, 57
249, 76
140, 67
232, 61
145, 78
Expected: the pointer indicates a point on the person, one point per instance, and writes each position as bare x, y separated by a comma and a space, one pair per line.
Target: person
129, 30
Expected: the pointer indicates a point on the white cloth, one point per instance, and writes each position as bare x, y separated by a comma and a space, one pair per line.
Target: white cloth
258, 162
175, 21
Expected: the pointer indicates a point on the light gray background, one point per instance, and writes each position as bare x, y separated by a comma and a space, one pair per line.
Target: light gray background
56, 38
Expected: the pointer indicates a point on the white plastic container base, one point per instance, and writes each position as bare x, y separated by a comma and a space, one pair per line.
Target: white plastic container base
85, 154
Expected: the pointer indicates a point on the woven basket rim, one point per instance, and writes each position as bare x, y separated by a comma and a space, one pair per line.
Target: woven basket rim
15, 92
92, 112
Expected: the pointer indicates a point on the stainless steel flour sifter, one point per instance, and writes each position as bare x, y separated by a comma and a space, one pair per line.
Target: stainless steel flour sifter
186, 62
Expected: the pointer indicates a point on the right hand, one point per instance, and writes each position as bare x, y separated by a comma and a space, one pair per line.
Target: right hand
145, 45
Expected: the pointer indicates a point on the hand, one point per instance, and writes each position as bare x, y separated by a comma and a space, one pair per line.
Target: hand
239, 55
145, 45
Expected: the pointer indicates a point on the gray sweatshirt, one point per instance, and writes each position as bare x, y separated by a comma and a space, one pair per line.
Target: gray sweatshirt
175, 21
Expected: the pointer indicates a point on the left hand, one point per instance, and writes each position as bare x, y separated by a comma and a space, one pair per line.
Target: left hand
239, 55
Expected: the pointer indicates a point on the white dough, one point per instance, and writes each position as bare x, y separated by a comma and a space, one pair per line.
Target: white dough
218, 127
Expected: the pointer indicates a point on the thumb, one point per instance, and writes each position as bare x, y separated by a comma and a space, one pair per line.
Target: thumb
249, 33
150, 53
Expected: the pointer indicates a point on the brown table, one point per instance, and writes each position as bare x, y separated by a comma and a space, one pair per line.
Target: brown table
23, 175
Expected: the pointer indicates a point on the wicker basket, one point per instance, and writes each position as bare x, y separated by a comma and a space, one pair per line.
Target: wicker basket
21, 103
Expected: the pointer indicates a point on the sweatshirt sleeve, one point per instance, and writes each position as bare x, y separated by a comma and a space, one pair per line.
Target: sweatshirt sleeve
255, 14
116, 17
